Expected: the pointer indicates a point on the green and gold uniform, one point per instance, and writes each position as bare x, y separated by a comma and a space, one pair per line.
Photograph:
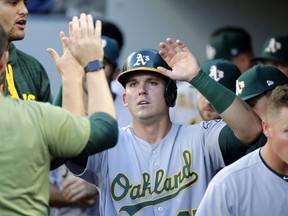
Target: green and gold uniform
26, 78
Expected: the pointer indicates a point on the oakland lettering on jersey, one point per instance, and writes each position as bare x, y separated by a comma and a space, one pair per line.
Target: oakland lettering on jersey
176, 183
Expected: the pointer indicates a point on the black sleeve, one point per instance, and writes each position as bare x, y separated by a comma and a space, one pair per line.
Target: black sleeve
231, 147
259, 143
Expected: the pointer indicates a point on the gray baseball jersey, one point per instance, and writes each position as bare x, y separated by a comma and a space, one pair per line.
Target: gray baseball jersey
166, 178
247, 187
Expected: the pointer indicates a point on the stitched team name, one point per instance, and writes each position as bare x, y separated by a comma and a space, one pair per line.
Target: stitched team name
175, 183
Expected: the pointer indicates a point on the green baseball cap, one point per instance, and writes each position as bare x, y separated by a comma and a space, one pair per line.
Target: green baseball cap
227, 45
111, 50
259, 79
142, 60
223, 71
275, 49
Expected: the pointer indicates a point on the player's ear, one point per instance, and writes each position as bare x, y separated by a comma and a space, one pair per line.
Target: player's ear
124, 99
265, 127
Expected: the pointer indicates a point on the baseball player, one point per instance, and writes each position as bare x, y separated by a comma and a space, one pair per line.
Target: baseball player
61, 177
231, 43
32, 133
254, 87
222, 71
274, 53
26, 78
157, 167
256, 184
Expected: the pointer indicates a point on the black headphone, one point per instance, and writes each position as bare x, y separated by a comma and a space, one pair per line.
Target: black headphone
170, 93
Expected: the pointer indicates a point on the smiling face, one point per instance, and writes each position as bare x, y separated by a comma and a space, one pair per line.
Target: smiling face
13, 17
144, 96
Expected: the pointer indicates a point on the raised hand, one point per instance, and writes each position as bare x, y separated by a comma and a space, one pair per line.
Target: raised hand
66, 63
84, 41
183, 63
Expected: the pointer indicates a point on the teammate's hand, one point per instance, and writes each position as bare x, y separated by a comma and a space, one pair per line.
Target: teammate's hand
66, 64
84, 40
79, 191
183, 63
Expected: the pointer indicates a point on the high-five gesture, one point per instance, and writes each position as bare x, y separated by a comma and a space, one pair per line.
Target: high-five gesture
85, 39
183, 63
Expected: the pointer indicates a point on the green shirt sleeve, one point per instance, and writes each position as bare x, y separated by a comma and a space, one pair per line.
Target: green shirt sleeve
58, 97
104, 135
231, 147
65, 133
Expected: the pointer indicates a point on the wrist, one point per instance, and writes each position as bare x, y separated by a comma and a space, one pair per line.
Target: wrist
94, 66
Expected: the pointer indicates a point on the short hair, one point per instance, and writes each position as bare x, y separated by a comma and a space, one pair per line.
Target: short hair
277, 100
3, 48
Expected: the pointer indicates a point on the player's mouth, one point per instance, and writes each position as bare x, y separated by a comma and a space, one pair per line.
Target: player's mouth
21, 23
143, 102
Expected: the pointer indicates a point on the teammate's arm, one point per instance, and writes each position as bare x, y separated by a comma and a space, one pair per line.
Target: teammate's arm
243, 121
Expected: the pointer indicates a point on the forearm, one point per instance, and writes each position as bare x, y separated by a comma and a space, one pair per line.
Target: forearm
100, 97
73, 95
236, 113
56, 199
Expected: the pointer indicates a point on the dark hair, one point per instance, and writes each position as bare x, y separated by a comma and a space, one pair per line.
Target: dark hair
111, 30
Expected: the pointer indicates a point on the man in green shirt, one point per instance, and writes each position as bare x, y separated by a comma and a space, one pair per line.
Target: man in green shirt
26, 78
33, 133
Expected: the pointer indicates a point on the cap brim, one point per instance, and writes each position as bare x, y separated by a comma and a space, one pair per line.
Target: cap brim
269, 59
123, 76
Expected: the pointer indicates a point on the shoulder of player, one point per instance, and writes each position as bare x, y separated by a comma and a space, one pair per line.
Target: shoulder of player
239, 168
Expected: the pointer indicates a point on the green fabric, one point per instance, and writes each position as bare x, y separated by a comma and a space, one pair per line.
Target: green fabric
30, 78
228, 45
58, 97
222, 71
32, 133
274, 49
219, 96
101, 125
231, 147
259, 79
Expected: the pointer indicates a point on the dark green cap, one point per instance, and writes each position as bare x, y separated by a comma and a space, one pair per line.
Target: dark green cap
227, 45
259, 79
142, 60
223, 71
111, 50
275, 49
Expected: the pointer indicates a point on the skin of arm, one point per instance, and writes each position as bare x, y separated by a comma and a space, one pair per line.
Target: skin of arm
83, 45
185, 67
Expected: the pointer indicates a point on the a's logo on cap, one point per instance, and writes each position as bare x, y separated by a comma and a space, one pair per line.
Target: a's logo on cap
234, 51
210, 51
141, 59
269, 82
273, 46
215, 73
104, 42
239, 87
